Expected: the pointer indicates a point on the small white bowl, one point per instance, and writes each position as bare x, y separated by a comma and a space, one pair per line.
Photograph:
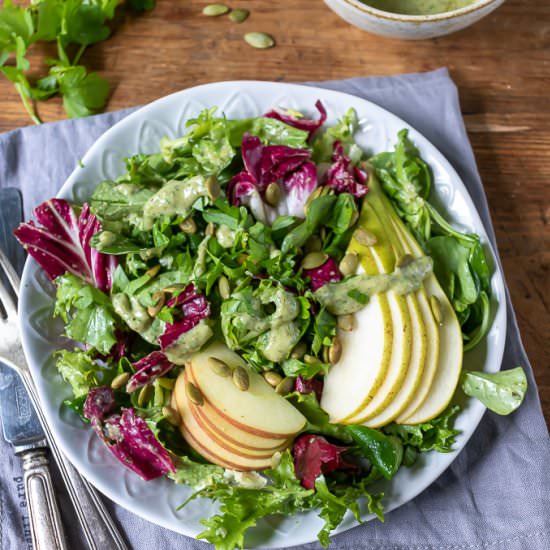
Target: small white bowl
410, 27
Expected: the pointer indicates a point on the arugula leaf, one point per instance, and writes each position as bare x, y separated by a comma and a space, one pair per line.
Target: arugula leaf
383, 451
270, 131
501, 392
295, 367
437, 434
317, 419
87, 312
113, 203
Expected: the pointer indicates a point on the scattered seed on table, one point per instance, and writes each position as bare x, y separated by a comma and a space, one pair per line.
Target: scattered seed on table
213, 10
259, 40
238, 15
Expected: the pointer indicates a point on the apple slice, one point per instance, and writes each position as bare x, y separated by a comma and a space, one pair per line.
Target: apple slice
232, 439
259, 410
210, 449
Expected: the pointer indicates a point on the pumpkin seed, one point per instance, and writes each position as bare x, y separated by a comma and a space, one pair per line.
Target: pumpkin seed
285, 386
404, 260
313, 260
171, 415
144, 395
298, 351
348, 264
272, 378
276, 459
259, 40
210, 229
273, 194
354, 218
153, 271
166, 383
159, 304
346, 322
158, 398
335, 351
241, 378
224, 288
107, 238
212, 188
188, 226
213, 10
239, 15
310, 359
323, 233
437, 312
365, 237
174, 288
313, 244
120, 380
221, 368
194, 394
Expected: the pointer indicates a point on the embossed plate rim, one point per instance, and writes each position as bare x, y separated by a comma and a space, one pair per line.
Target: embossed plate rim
155, 501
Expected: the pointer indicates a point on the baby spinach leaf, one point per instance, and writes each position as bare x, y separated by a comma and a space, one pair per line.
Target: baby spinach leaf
385, 452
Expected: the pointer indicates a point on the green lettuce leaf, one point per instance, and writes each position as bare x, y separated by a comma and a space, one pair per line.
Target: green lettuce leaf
78, 369
87, 312
343, 131
501, 392
437, 434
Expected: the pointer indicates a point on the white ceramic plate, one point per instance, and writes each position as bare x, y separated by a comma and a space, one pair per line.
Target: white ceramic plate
140, 132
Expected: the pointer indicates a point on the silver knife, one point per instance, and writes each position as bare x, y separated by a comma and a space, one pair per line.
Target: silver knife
23, 430
20, 424
99, 528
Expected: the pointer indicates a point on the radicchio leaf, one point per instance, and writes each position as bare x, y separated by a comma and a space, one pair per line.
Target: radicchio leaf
313, 456
307, 386
290, 167
194, 308
325, 273
131, 440
148, 369
301, 123
61, 243
343, 177
99, 403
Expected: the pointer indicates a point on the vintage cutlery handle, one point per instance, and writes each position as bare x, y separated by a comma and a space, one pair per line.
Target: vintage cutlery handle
46, 527
99, 529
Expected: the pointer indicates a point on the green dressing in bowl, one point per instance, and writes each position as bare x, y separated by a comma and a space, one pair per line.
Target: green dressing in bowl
418, 7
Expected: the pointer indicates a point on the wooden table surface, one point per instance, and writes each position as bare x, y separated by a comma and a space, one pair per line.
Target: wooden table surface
501, 66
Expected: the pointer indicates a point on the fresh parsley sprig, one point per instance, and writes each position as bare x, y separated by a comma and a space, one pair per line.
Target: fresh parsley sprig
70, 23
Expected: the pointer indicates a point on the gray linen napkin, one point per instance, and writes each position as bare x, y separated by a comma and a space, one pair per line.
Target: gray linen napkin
496, 494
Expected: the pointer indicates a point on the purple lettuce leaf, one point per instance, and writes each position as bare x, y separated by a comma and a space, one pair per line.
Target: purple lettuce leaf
194, 308
131, 440
148, 369
264, 164
301, 123
314, 455
61, 243
325, 273
343, 177
307, 386
99, 403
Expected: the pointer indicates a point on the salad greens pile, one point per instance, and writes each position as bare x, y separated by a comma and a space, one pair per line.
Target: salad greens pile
227, 233
71, 24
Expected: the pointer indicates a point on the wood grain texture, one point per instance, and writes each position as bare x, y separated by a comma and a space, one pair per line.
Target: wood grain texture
501, 66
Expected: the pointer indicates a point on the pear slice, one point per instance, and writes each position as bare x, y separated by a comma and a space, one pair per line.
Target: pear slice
376, 354
449, 365
225, 433
258, 410
403, 331
201, 442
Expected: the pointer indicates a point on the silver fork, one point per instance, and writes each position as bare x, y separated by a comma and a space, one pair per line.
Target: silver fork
99, 529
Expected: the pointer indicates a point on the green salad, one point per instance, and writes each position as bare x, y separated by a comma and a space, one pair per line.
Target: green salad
266, 313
